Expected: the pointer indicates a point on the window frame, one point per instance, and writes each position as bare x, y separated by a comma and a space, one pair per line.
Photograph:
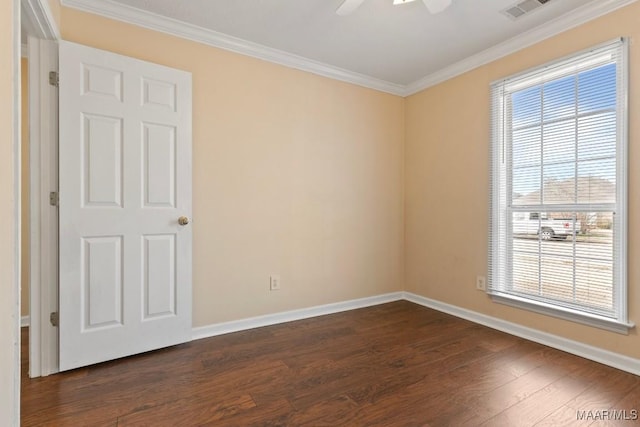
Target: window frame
500, 229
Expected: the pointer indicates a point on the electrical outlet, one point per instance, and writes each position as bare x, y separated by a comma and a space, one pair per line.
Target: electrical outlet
274, 282
481, 283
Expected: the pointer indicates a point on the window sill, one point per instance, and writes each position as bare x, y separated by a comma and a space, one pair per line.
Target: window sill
563, 313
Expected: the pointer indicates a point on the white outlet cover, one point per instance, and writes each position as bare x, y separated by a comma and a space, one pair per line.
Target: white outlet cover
274, 282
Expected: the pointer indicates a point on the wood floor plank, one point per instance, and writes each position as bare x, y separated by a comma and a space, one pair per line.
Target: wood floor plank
272, 413
192, 411
610, 385
396, 364
540, 404
482, 407
630, 407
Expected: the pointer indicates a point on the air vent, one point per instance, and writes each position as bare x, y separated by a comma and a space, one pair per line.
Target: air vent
523, 7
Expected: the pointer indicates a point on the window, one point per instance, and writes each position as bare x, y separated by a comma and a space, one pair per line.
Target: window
559, 189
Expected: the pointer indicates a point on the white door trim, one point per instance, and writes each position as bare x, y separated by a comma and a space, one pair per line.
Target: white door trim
39, 23
12, 391
43, 127
37, 19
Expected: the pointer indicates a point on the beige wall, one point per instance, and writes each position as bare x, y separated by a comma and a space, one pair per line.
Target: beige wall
447, 183
24, 187
294, 174
302, 176
8, 291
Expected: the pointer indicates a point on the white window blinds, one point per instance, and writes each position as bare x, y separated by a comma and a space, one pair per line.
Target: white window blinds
558, 193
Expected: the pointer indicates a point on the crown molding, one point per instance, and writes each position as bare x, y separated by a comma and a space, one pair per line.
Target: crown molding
135, 16
38, 19
152, 21
582, 15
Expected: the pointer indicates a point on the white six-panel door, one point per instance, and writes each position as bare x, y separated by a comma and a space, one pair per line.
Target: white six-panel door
125, 180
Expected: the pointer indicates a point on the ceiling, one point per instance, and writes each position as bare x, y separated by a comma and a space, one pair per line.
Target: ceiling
393, 45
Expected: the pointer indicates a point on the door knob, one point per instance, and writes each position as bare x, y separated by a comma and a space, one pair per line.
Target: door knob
183, 220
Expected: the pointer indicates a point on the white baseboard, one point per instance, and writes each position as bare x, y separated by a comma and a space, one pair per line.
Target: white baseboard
596, 354
25, 321
289, 316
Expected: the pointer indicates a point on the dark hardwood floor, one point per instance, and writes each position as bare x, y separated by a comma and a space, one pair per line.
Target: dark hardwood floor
397, 364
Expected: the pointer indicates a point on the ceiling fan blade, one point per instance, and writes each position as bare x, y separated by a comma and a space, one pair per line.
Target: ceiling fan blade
436, 6
348, 6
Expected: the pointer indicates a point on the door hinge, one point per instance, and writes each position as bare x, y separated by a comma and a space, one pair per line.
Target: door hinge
54, 318
53, 198
54, 78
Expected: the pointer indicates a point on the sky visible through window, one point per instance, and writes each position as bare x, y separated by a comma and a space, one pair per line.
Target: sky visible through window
562, 131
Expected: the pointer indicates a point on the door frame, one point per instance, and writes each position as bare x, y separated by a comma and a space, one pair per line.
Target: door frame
42, 54
43, 176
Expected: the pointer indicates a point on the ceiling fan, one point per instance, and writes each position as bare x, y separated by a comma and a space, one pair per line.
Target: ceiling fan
434, 6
